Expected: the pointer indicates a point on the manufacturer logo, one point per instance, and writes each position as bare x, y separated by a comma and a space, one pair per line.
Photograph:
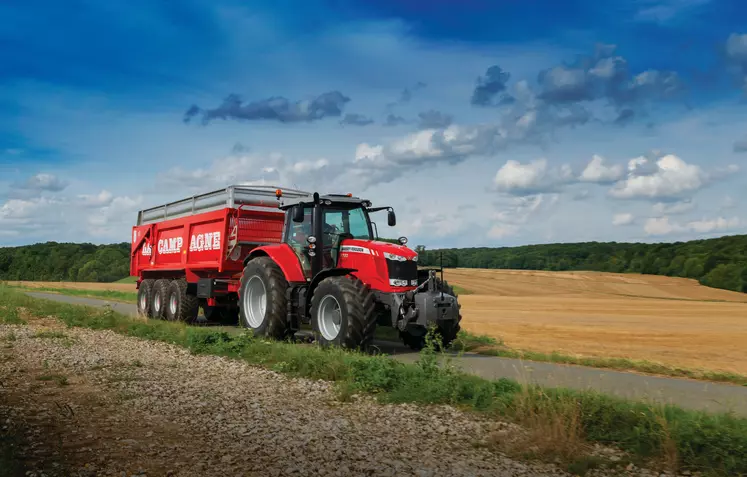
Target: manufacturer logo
355, 249
206, 241
147, 250
170, 245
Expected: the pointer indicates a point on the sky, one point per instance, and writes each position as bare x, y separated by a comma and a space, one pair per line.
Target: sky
483, 123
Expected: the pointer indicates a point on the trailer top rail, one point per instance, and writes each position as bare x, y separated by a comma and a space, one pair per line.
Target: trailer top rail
231, 197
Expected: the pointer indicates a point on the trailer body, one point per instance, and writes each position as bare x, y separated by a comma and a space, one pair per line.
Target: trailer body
206, 238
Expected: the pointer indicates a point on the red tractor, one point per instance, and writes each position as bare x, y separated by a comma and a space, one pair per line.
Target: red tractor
312, 260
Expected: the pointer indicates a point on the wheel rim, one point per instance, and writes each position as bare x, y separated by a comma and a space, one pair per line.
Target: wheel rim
255, 301
157, 303
172, 304
329, 317
143, 302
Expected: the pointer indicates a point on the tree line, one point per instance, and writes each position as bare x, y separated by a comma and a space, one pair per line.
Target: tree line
719, 262
75, 262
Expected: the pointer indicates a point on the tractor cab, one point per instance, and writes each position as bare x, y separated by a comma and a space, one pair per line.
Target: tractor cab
317, 227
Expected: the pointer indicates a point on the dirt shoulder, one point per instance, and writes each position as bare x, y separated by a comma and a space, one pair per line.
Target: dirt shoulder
98, 403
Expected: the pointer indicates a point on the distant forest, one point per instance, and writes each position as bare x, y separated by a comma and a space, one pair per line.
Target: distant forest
75, 262
719, 263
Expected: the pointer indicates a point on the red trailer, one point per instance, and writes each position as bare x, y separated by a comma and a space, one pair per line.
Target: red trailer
275, 258
206, 237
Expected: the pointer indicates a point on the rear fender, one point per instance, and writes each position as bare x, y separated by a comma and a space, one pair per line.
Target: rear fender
284, 256
326, 273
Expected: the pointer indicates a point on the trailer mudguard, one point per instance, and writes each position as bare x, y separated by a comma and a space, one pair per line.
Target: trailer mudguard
284, 256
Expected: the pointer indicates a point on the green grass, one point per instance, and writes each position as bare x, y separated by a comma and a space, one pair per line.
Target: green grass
127, 280
696, 441
461, 291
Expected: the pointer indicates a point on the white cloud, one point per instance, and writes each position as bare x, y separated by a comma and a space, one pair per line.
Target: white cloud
675, 208
532, 178
728, 203
596, 171
114, 218
623, 219
673, 178
712, 225
515, 212
246, 169
663, 226
22, 209
101, 199
37, 185
502, 231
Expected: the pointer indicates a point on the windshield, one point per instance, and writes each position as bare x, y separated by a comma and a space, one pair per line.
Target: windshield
347, 221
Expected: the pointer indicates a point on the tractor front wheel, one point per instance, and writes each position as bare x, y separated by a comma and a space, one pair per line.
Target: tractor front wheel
342, 313
263, 304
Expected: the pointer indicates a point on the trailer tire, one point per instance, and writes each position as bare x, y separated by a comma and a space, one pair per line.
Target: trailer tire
159, 299
145, 298
181, 306
355, 301
263, 305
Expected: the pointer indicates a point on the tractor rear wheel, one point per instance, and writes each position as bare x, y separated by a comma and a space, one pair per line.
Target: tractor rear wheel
180, 305
160, 290
342, 313
262, 300
145, 297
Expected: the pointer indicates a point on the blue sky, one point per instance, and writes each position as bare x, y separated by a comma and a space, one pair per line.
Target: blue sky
484, 123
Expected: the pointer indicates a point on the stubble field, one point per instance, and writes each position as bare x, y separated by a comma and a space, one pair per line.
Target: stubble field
672, 321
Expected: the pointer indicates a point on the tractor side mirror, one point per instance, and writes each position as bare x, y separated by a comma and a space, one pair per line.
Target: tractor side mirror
391, 218
297, 213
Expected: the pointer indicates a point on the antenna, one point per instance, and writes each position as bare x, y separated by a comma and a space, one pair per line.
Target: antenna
442, 274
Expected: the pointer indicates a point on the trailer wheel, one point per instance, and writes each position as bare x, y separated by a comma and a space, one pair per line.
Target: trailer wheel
159, 298
342, 313
180, 305
262, 301
144, 298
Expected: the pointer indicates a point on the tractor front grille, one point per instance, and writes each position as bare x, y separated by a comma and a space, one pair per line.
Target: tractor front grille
402, 273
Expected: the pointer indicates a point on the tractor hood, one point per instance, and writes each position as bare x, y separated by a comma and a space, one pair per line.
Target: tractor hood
375, 247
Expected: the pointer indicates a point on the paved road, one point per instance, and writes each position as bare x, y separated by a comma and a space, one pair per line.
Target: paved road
683, 392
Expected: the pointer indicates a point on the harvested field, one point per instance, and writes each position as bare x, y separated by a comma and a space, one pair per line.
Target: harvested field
672, 321
121, 287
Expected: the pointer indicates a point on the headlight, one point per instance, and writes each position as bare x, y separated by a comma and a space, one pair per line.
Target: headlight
392, 256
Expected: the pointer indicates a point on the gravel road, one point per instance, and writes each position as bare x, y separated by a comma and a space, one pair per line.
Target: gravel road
687, 393
98, 403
